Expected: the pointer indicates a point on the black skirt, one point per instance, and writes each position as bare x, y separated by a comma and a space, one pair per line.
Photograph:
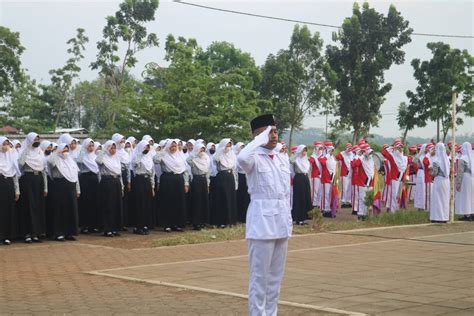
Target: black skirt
243, 198
110, 203
32, 216
301, 197
48, 210
143, 206
199, 200
125, 219
7, 209
89, 216
172, 200
64, 204
225, 205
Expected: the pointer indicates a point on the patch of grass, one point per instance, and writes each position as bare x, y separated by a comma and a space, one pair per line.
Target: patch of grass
402, 217
203, 236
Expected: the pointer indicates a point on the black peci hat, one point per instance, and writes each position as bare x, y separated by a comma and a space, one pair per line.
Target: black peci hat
262, 121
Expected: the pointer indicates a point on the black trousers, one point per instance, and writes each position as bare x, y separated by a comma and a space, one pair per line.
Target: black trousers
32, 214
64, 204
7, 209
110, 203
199, 200
243, 198
143, 205
89, 216
301, 197
172, 200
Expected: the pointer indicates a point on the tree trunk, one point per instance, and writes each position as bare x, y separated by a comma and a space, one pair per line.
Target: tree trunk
290, 140
437, 130
355, 137
404, 135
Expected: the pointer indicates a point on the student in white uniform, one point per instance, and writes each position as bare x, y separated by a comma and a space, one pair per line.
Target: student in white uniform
439, 210
465, 183
269, 222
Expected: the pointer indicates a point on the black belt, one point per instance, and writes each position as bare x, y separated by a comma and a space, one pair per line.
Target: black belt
146, 176
90, 173
199, 175
225, 171
36, 173
110, 177
172, 173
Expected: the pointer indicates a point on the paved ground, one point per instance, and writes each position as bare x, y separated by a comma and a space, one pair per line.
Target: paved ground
422, 270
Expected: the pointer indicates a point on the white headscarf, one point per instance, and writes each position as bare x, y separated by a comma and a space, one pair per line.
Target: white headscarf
146, 160
88, 158
237, 148
34, 156
301, 159
330, 162
468, 156
421, 155
442, 159
201, 161
8, 162
65, 139
44, 144
227, 159
66, 166
131, 140
125, 157
174, 161
112, 162
147, 138
400, 160
368, 165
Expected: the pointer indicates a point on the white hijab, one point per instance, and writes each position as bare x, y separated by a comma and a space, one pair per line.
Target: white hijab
301, 159
65, 139
34, 156
174, 161
125, 157
112, 162
400, 160
8, 162
227, 159
146, 160
200, 161
421, 154
442, 159
331, 161
368, 165
468, 156
66, 166
88, 158
237, 148
44, 144
347, 156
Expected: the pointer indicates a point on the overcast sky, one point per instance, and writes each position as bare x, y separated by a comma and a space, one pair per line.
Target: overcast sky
45, 26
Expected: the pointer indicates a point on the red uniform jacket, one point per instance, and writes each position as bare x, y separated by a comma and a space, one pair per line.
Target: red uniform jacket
412, 166
426, 169
394, 172
315, 172
325, 175
361, 179
344, 169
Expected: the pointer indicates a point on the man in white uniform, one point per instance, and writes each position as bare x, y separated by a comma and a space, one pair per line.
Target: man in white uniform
269, 222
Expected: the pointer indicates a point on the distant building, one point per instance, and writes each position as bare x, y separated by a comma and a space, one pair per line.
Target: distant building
8, 129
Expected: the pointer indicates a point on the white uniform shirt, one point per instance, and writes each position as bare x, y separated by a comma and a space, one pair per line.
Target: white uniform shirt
268, 180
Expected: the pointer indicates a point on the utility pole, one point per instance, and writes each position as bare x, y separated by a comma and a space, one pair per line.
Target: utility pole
453, 158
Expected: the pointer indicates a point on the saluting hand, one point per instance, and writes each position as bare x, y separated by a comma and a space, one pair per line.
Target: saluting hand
264, 137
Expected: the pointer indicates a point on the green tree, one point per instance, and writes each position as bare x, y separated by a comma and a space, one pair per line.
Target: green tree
370, 43
408, 118
62, 78
296, 80
126, 27
448, 71
26, 108
11, 73
202, 93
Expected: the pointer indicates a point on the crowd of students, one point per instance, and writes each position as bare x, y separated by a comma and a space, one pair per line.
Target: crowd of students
56, 190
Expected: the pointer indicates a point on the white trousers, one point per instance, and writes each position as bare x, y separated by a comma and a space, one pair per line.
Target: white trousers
362, 208
266, 264
316, 191
420, 193
392, 202
346, 196
355, 198
326, 197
